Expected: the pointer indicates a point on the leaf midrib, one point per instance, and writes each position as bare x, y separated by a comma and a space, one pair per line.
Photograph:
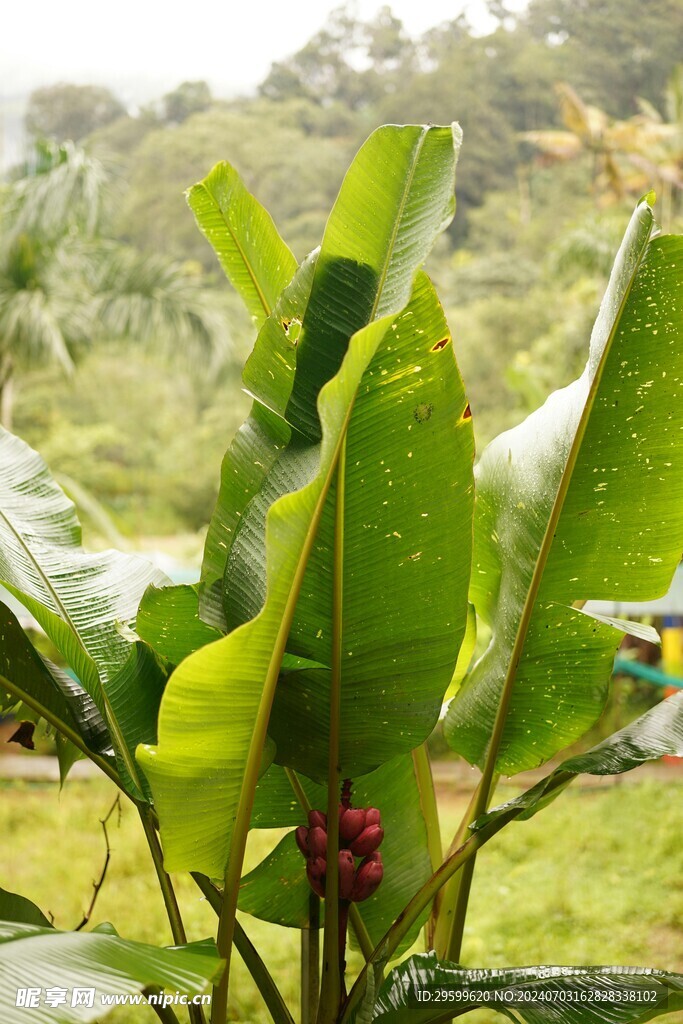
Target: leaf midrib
110, 717
252, 274
19, 537
398, 220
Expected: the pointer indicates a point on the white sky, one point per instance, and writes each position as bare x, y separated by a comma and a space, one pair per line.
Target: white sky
147, 46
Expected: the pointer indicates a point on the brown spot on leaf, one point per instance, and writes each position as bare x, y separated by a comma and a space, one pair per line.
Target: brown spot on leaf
24, 735
423, 411
467, 415
440, 344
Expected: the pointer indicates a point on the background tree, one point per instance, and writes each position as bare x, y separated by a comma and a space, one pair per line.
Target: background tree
522, 243
68, 111
63, 284
608, 50
627, 157
189, 98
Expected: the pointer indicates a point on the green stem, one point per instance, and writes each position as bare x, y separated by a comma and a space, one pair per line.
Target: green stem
250, 955
310, 962
442, 917
462, 900
332, 984
170, 901
462, 885
233, 871
175, 920
360, 931
430, 813
66, 730
166, 1014
299, 791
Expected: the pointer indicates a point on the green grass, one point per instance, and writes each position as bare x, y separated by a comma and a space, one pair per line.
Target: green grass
596, 878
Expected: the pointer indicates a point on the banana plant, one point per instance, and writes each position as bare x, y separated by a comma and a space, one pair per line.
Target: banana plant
352, 551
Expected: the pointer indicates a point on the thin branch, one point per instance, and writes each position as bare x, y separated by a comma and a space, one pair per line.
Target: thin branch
107, 857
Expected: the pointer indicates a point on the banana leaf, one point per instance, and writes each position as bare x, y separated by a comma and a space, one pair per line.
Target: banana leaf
45, 688
536, 995
98, 962
81, 600
657, 733
583, 501
216, 706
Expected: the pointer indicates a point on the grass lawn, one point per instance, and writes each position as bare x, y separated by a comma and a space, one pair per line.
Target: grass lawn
595, 879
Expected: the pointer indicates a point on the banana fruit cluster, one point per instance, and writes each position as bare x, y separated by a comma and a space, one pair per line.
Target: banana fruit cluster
360, 834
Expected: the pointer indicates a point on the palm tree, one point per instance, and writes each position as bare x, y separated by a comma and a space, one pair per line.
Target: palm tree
629, 157
63, 285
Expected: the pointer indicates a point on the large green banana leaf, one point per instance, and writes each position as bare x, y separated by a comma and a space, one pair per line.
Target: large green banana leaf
584, 500
405, 571
79, 599
393, 789
257, 446
244, 237
215, 710
536, 995
397, 195
657, 733
168, 620
19, 909
32, 957
45, 688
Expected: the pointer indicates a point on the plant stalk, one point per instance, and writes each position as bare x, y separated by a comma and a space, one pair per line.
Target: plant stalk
455, 897
175, 920
166, 1014
332, 988
310, 962
250, 955
425, 786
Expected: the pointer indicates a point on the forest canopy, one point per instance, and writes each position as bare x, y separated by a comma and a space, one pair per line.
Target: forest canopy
570, 110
